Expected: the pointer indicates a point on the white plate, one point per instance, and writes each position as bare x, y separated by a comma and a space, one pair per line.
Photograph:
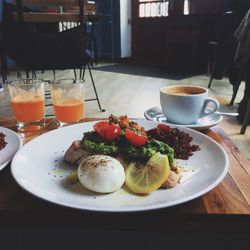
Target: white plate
39, 168
155, 114
14, 142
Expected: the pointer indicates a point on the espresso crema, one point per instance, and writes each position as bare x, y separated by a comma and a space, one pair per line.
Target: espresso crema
183, 90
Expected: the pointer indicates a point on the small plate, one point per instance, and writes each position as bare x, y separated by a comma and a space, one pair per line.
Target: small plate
14, 142
155, 114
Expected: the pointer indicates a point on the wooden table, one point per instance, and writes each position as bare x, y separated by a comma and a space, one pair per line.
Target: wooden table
224, 209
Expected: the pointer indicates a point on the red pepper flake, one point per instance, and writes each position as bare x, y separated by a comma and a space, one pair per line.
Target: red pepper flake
3, 143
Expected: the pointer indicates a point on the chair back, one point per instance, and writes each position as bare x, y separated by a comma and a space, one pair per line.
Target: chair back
33, 49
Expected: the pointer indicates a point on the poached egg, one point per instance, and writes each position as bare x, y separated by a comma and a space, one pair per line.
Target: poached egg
101, 173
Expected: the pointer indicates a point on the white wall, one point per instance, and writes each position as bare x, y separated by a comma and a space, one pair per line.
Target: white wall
126, 27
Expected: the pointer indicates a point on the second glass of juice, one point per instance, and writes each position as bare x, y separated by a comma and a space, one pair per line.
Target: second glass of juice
68, 99
28, 103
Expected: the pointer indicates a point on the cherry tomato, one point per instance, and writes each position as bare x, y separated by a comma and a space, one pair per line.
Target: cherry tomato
109, 131
134, 138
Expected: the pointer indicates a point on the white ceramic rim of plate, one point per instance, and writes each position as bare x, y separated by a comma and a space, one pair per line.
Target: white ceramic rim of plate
195, 125
9, 131
147, 208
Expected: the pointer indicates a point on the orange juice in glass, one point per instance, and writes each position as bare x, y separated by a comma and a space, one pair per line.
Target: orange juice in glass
68, 100
27, 102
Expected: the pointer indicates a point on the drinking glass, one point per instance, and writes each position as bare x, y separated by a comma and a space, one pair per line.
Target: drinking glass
68, 99
28, 103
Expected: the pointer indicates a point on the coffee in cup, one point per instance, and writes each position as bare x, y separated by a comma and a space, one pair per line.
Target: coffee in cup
183, 104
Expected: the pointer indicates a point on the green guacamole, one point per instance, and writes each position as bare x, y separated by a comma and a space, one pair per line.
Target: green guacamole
93, 143
148, 150
100, 147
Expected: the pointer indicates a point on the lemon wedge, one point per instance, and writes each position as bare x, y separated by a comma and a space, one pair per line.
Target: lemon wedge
142, 179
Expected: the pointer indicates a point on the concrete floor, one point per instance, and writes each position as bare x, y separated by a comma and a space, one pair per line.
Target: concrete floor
136, 90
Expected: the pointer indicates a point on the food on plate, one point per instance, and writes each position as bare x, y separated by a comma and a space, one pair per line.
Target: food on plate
178, 140
96, 143
108, 131
101, 173
3, 143
148, 160
142, 179
75, 153
172, 180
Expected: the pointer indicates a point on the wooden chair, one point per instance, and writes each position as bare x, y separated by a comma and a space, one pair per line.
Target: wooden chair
235, 90
59, 11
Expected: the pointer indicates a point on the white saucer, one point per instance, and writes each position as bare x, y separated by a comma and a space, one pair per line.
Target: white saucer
14, 142
155, 114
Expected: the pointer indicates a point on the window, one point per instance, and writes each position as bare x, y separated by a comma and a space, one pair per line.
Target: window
157, 8
153, 8
186, 10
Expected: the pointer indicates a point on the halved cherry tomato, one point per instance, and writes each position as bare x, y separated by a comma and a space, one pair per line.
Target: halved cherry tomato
134, 138
108, 131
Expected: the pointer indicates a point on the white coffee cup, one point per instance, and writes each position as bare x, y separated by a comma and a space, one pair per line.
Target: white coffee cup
183, 104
